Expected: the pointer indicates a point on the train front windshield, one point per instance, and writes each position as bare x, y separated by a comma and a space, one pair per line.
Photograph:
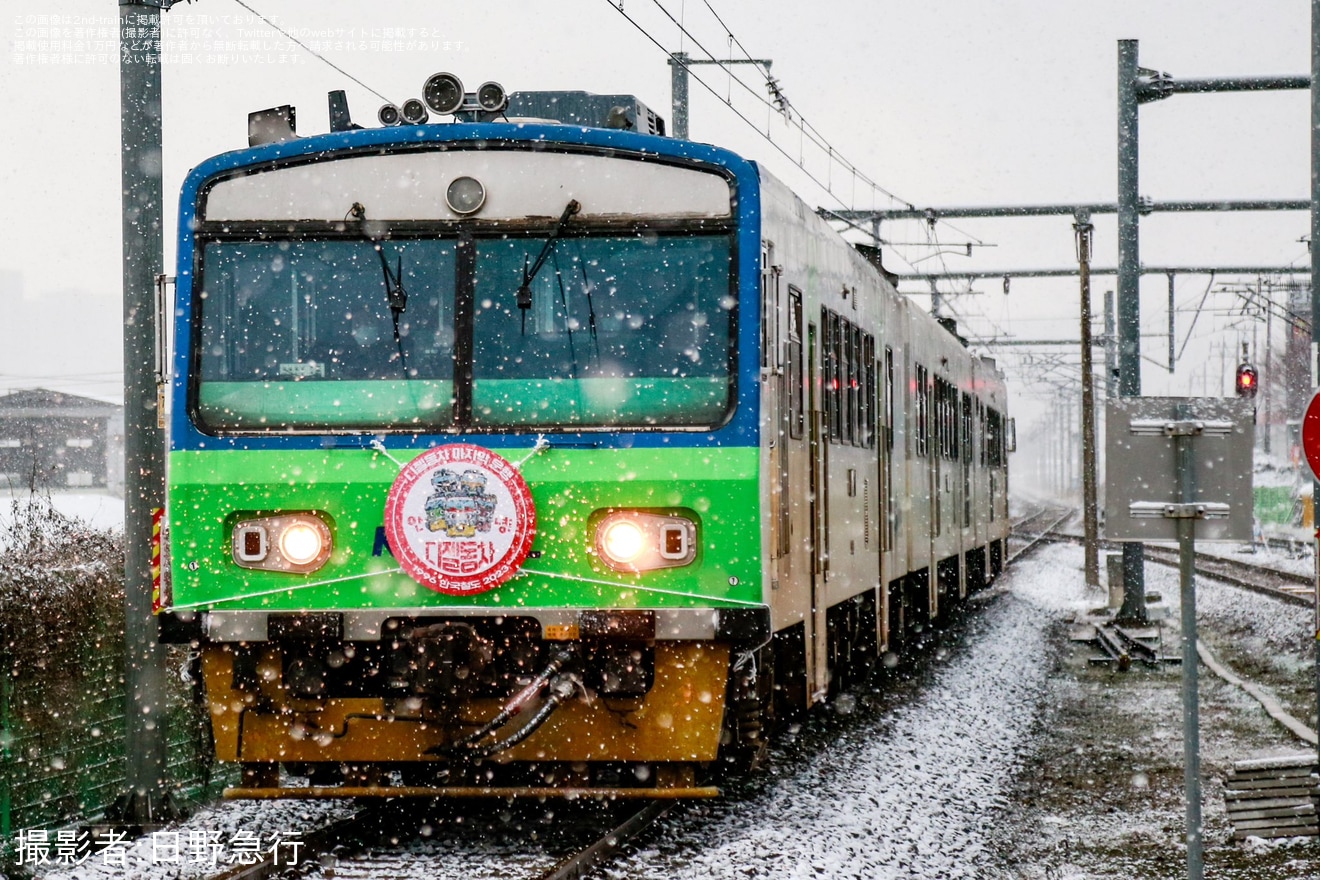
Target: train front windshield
618, 331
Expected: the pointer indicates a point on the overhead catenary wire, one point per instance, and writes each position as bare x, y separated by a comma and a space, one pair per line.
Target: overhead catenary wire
807, 130
312, 51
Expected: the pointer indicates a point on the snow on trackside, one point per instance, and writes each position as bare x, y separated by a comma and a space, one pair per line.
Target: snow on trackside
917, 792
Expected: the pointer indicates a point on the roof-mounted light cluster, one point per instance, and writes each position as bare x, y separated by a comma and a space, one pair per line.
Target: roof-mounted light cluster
443, 95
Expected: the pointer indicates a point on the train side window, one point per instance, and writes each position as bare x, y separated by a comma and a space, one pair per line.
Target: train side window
938, 421
836, 353
950, 422
965, 424
980, 424
827, 369
921, 434
849, 383
889, 398
795, 407
994, 439
857, 410
868, 390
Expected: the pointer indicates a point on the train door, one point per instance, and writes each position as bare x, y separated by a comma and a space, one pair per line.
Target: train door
932, 491
888, 508
819, 504
792, 412
965, 468
774, 415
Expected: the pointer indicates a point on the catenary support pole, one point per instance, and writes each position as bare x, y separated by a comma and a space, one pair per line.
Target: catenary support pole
1111, 348
1173, 356
145, 799
1129, 293
678, 92
680, 64
1090, 527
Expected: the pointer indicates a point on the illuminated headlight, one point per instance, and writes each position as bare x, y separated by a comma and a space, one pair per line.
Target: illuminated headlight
295, 542
632, 540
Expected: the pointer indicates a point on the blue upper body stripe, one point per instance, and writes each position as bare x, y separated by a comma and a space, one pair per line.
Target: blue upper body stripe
742, 429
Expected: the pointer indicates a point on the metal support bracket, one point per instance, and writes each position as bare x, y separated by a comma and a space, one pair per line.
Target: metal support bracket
1165, 510
1179, 428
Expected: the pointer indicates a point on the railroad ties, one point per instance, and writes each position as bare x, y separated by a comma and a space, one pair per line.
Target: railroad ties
1121, 645
1273, 797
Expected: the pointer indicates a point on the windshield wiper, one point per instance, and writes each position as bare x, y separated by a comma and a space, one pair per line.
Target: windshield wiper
395, 294
524, 296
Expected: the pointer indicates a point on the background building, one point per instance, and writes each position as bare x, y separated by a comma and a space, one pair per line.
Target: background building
51, 440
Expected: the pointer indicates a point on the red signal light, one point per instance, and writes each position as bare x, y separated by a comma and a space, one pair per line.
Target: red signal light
1246, 381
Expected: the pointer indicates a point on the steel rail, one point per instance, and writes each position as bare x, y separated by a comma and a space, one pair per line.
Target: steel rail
582, 862
1296, 589
322, 841
1047, 534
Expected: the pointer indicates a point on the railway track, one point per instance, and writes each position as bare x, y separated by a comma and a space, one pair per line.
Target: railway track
397, 840
1039, 525
1288, 586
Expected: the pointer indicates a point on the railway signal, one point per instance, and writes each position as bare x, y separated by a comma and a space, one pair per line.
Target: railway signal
1247, 380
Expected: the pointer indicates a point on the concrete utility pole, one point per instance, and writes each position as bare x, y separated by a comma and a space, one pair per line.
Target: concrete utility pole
679, 62
146, 800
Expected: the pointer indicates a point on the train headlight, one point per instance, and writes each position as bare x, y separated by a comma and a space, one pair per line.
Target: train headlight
413, 112
465, 195
443, 93
294, 542
301, 543
636, 540
621, 541
492, 97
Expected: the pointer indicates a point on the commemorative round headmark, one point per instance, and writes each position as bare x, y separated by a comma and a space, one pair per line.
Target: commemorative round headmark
460, 519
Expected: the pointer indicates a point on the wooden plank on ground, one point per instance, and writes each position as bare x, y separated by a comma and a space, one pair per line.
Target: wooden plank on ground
1283, 782
1300, 810
1309, 791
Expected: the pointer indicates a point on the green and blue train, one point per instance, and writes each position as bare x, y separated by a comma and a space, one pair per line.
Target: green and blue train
534, 452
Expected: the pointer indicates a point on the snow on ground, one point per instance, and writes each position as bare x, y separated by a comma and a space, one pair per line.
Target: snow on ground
914, 792
917, 782
100, 511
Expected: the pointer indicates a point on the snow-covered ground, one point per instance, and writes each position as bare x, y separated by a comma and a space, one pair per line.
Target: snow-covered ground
100, 511
915, 791
923, 779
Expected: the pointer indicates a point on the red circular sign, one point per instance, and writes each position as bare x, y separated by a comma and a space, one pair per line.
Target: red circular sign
1311, 435
460, 519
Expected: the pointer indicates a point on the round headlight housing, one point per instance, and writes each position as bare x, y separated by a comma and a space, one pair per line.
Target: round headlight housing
491, 97
292, 542
300, 543
465, 195
641, 540
443, 93
414, 112
622, 541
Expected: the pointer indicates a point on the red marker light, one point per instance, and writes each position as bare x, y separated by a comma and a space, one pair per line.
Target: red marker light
1246, 380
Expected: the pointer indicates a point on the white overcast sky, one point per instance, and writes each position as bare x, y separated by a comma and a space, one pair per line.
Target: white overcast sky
944, 102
